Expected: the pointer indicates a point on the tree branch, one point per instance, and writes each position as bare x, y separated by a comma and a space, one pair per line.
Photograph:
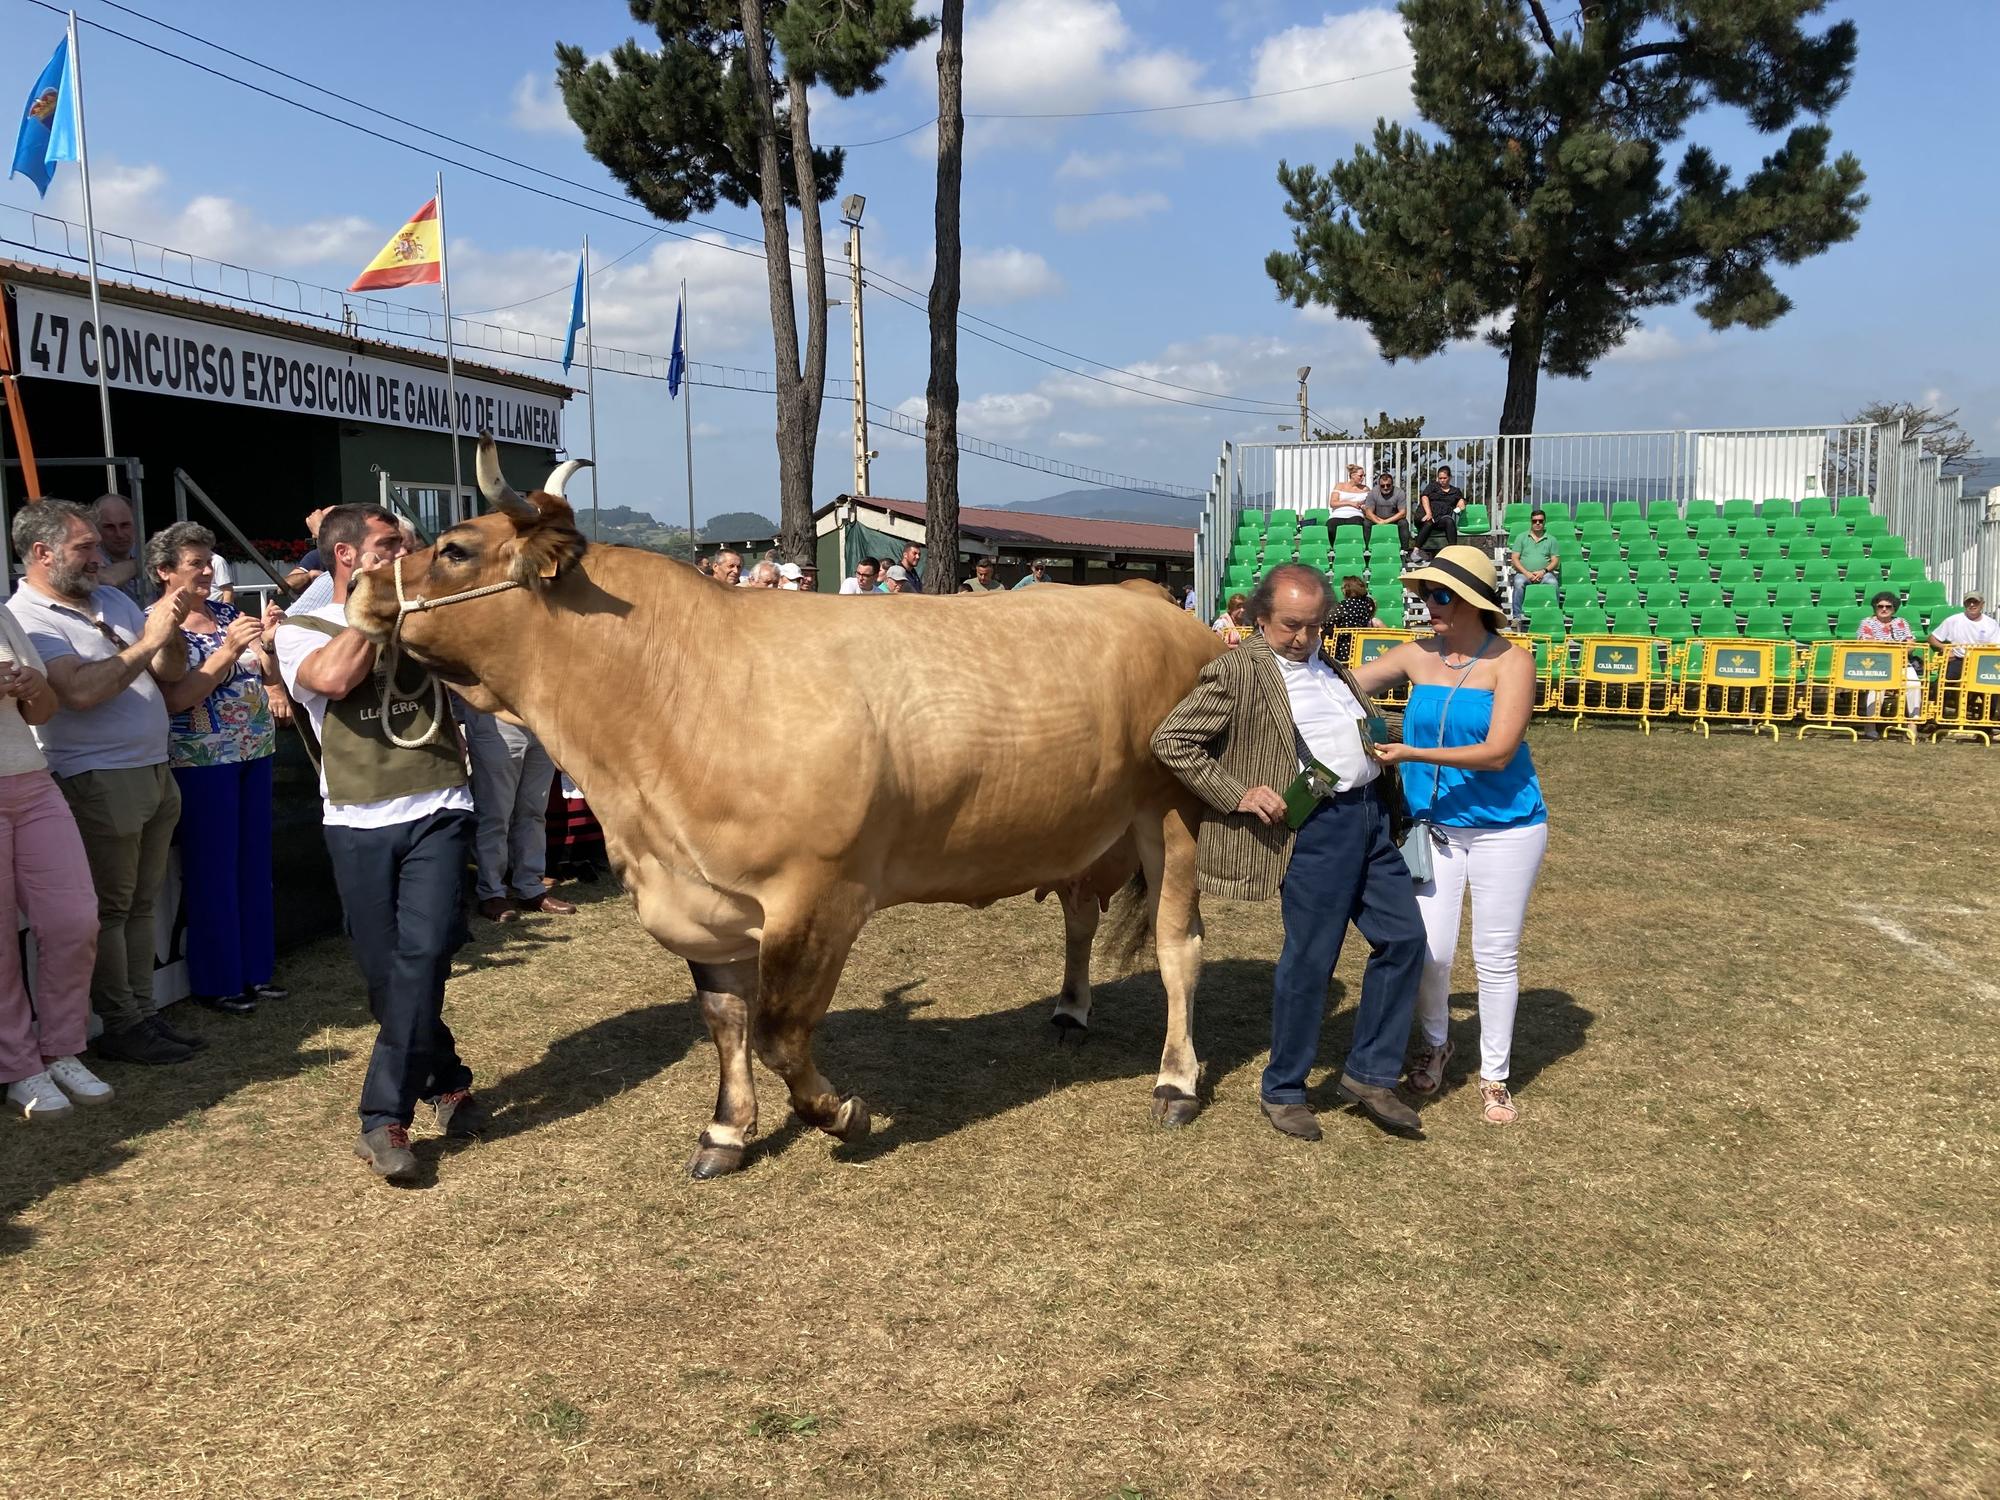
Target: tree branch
1651, 49
1542, 21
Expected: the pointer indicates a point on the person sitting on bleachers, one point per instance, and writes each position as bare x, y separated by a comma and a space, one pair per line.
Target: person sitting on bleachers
1887, 626
1346, 502
1534, 556
1439, 505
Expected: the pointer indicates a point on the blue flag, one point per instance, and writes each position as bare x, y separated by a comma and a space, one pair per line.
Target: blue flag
677, 362
48, 123
575, 318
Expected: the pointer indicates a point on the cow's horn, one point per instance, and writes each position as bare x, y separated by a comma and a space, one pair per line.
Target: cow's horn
499, 494
559, 476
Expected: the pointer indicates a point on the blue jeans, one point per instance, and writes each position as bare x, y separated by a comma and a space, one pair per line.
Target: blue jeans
1345, 869
403, 891
225, 838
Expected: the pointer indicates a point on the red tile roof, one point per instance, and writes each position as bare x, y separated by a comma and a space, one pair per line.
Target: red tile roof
1030, 529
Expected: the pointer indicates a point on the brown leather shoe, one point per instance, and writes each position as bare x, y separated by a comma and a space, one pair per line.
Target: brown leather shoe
1291, 1119
1380, 1104
555, 906
497, 909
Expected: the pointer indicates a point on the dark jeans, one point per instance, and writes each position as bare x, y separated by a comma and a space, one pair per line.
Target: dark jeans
403, 891
225, 838
1344, 869
1446, 526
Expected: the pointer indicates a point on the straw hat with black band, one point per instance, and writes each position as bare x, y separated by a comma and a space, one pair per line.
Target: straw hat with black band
1467, 572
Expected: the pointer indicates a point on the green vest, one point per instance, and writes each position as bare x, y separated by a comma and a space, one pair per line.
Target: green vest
359, 762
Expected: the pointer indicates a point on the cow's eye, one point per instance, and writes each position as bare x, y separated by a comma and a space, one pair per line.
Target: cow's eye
452, 552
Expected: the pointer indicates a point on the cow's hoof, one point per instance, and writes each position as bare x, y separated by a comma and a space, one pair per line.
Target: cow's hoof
851, 1125
1172, 1109
1069, 1029
711, 1160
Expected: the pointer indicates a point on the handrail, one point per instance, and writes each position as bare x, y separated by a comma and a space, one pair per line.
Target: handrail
185, 486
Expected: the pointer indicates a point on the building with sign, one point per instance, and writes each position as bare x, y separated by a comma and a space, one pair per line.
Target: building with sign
268, 417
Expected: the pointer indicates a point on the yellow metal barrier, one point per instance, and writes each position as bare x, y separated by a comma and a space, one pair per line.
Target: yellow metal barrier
1365, 645
1965, 694
1749, 682
1618, 676
1549, 658
1856, 685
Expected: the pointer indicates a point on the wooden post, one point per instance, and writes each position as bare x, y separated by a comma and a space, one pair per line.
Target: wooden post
10, 391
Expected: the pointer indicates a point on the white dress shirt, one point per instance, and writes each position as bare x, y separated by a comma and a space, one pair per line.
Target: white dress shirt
1328, 717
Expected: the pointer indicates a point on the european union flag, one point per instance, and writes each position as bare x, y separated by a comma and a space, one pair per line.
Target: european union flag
677, 362
48, 123
575, 318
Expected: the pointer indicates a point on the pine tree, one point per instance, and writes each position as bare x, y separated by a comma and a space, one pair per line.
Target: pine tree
941, 399
1546, 195
702, 119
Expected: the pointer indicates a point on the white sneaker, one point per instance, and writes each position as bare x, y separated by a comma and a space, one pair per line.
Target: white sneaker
78, 1081
37, 1098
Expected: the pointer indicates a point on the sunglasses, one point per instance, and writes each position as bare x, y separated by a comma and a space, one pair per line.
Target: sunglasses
1885, 606
1439, 598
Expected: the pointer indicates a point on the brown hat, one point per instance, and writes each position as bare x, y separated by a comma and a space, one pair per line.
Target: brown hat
1467, 572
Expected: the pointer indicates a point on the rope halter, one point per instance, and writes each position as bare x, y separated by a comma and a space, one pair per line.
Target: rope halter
392, 696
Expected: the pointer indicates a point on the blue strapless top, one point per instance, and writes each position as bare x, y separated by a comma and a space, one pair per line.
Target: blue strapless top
1452, 796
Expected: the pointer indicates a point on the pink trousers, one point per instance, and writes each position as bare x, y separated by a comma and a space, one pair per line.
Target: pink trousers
44, 877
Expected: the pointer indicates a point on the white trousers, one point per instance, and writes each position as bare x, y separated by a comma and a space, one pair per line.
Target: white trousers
1500, 865
1913, 697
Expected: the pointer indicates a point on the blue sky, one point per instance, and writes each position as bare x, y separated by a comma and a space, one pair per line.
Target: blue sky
1136, 240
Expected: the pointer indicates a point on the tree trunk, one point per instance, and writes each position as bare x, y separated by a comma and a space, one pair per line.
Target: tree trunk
941, 418
1517, 410
796, 519
796, 426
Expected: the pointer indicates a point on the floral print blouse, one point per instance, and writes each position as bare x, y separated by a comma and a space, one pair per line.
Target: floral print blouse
231, 724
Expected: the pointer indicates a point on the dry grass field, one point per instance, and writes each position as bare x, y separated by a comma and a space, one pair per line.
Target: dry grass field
1742, 1243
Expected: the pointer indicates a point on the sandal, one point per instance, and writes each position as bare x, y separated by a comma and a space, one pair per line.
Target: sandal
1428, 1074
1496, 1105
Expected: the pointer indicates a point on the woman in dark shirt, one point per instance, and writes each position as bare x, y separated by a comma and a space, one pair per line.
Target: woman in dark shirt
1354, 610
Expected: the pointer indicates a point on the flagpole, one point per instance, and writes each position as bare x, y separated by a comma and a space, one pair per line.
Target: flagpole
687, 412
590, 372
90, 249
450, 361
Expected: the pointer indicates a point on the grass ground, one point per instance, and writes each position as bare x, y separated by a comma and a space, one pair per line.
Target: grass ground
1743, 1241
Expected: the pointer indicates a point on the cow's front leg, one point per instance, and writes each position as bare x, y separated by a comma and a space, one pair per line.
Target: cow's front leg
798, 967
1167, 848
728, 994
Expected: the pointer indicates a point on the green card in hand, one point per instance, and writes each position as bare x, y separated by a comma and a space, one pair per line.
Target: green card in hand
1309, 788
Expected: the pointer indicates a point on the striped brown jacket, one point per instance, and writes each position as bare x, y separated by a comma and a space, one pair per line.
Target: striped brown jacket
1233, 732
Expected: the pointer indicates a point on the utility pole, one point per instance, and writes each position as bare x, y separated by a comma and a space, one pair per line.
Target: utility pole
1305, 413
850, 215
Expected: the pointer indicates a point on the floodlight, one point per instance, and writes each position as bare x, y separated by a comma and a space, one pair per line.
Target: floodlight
850, 209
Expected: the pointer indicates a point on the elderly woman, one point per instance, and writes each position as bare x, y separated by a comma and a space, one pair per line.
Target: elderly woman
1232, 624
45, 877
222, 744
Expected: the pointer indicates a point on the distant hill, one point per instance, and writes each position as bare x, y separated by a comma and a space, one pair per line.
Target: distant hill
1114, 505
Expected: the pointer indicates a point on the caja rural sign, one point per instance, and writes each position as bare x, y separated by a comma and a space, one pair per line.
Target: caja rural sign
167, 355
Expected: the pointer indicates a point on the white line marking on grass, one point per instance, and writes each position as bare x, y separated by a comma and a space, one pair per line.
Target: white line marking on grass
1928, 952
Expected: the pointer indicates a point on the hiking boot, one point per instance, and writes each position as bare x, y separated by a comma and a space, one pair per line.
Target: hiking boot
244, 1004
387, 1151
140, 1044
1291, 1119
36, 1097
158, 1024
460, 1114
1380, 1104
79, 1082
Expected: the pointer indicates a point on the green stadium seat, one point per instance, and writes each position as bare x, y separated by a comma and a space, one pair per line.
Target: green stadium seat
1612, 571
1852, 507
1696, 510
1871, 525
1384, 542
1282, 520
1787, 528
1750, 596
1888, 548
1621, 596
1594, 528
1655, 575
1562, 528
1627, 510
1632, 620
1476, 521
1247, 515
1669, 532
1659, 512
1847, 548
1792, 597
1702, 594
1825, 529
1866, 575
1710, 528
1923, 594
1685, 558
1736, 575
1589, 621
1673, 624
1547, 620
1815, 506
1776, 507
1716, 624
1905, 571
1739, 510
1836, 597
1820, 571
1318, 514
1515, 516
1812, 628
1764, 549
1764, 624
1539, 596
1642, 552
1719, 553
1848, 624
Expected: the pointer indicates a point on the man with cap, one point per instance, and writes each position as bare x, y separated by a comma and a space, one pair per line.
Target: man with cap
1972, 626
789, 575
1275, 740
1038, 572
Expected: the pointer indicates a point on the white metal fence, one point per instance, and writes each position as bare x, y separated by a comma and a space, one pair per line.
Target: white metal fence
1586, 471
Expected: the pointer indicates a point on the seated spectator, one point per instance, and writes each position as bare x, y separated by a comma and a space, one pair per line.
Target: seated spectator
1534, 558
1353, 610
222, 747
1389, 506
1233, 624
1885, 625
46, 878
107, 745
1972, 626
981, 581
1038, 572
1439, 505
1347, 502
118, 540
867, 578
729, 569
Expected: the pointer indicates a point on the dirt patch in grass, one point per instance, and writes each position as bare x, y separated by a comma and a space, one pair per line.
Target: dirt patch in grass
1742, 1240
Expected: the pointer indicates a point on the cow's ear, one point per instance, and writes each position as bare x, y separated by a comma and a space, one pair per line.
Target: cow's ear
544, 553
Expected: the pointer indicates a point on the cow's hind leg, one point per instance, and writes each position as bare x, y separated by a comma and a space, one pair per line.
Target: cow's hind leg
728, 994
1080, 914
1167, 853
798, 968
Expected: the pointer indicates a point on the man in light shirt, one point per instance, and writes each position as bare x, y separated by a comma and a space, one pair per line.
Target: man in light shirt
866, 579
1235, 742
399, 824
1971, 627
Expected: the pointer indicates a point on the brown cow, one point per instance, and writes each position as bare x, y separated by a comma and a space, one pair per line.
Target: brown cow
964, 749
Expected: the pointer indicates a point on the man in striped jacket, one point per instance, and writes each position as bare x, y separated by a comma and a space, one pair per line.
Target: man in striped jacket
1237, 742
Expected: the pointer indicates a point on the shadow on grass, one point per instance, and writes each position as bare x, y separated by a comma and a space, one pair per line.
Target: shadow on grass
1548, 1026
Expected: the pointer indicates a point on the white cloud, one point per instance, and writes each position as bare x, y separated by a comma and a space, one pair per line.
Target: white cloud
538, 106
1648, 346
1078, 440
135, 201
1107, 208
1095, 166
1008, 274
1339, 47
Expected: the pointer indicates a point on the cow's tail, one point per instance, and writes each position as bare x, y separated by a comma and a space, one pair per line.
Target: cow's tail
1128, 924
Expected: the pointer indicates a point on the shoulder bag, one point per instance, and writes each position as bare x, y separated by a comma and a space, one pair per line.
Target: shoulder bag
1416, 844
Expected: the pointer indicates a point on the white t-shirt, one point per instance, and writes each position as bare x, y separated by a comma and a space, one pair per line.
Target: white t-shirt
295, 643
1328, 717
19, 754
1958, 632
1346, 504
224, 579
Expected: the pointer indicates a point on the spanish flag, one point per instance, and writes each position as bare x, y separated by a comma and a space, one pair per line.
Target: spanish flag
413, 257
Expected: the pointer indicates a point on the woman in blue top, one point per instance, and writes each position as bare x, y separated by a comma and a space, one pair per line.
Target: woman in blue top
1470, 777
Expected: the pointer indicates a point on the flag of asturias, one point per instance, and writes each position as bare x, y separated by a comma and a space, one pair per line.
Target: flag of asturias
412, 258
48, 123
